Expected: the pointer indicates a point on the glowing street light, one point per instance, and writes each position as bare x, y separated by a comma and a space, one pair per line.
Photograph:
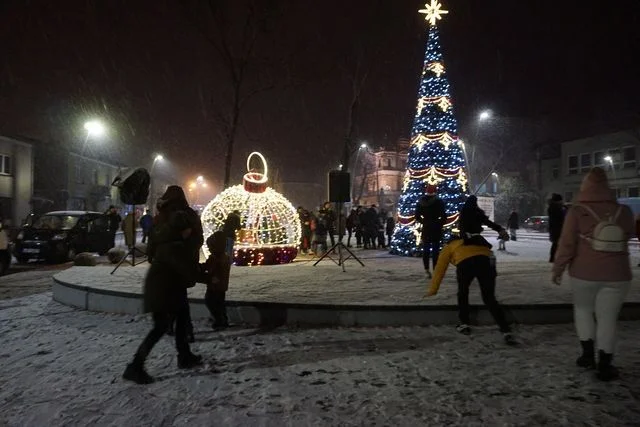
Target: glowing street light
485, 115
158, 158
609, 160
363, 145
94, 128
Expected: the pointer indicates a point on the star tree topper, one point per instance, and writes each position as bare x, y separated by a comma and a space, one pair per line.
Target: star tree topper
433, 11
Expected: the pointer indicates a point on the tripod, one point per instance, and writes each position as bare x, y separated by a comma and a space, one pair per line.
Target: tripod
132, 249
339, 246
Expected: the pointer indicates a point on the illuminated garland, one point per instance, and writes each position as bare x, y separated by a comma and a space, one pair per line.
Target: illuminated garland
444, 138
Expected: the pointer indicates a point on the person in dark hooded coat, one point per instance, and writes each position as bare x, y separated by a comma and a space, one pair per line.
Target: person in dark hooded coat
174, 200
165, 290
556, 212
472, 218
431, 213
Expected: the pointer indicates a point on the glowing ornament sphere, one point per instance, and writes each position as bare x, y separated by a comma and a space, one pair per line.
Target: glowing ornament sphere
270, 231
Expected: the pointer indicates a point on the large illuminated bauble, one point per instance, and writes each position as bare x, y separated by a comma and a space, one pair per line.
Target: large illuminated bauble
270, 227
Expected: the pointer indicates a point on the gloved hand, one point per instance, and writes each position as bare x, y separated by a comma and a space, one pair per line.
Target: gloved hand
556, 279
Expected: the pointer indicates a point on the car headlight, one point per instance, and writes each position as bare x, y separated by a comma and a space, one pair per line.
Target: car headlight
60, 236
20, 235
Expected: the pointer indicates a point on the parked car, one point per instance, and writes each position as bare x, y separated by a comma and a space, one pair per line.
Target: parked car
59, 236
537, 223
5, 251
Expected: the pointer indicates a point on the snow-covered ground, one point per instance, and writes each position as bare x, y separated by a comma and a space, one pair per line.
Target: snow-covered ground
61, 367
524, 278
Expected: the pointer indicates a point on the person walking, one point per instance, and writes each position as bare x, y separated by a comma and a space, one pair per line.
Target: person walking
165, 293
174, 200
217, 269
231, 224
593, 245
146, 222
431, 213
556, 212
513, 224
472, 261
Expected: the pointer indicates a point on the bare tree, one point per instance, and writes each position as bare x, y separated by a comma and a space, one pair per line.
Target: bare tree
236, 47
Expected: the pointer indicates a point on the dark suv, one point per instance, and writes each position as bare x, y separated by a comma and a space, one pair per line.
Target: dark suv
59, 236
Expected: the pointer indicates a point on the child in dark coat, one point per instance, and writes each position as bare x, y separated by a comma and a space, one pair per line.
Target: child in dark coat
217, 269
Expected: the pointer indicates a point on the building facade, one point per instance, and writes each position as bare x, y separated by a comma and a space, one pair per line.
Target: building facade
616, 152
380, 175
16, 179
65, 180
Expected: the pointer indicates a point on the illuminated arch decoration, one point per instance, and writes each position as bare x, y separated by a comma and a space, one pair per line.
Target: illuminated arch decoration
270, 231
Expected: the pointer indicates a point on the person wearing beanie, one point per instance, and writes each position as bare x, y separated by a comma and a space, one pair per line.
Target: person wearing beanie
593, 246
431, 213
556, 212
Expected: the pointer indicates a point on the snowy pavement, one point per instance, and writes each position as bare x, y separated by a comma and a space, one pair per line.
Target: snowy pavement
524, 278
61, 367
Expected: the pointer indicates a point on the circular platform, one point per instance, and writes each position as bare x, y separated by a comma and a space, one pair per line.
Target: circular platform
388, 291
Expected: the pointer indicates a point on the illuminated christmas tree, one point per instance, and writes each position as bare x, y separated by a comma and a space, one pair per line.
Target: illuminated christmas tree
436, 154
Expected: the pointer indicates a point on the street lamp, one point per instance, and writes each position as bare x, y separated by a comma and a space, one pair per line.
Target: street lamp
94, 128
363, 147
196, 186
609, 160
485, 115
495, 183
152, 187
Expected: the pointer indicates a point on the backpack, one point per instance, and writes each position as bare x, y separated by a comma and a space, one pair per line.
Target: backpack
607, 236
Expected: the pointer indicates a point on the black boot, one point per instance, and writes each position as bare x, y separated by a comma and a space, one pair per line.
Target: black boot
588, 358
606, 372
189, 360
135, 372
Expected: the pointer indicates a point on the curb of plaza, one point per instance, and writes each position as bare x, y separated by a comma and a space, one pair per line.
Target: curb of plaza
273, 314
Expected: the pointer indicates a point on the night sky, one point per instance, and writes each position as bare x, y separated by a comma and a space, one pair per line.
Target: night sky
148, 71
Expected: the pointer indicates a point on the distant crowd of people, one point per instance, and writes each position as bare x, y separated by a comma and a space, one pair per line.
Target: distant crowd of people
371, 228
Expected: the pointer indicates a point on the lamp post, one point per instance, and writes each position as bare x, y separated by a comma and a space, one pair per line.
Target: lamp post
609, 160
152, 189
195, 186
362, 147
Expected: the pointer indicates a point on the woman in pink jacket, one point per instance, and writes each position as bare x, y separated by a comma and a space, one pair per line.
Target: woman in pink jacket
593, 244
